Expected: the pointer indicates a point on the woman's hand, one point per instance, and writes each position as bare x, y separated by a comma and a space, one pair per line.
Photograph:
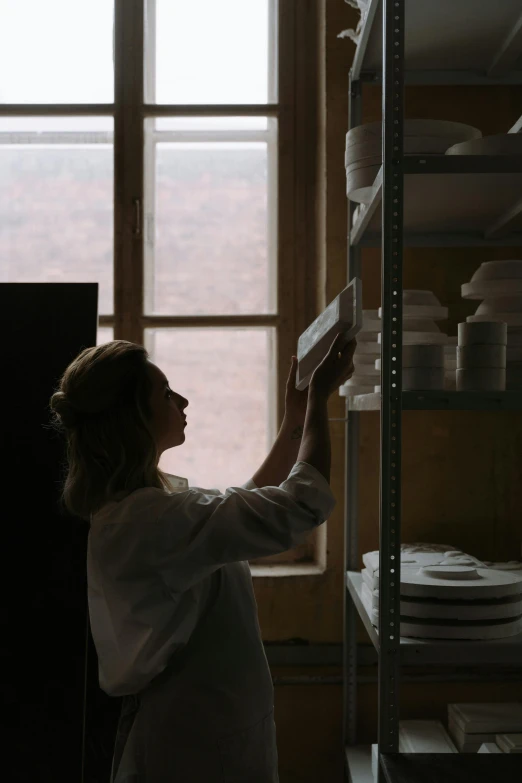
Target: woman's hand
295, 400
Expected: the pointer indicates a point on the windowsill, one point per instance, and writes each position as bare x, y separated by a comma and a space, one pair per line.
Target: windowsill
290, 569
314, 568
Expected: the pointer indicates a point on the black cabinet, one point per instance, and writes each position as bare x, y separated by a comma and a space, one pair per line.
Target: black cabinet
58, 724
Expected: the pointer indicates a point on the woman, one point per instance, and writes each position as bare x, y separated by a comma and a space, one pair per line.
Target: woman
171, 605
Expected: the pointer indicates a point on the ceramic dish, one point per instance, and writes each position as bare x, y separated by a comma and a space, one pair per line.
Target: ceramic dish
453, 131
511, 319
501, 144
489, 289
499, 270
434, 312
412, 338
508, 304
359, 184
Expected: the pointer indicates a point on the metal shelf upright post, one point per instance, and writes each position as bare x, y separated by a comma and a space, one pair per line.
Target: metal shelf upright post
393, 40
351, 542
391, 376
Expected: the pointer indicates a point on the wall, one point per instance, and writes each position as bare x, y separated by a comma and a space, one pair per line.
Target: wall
463, 472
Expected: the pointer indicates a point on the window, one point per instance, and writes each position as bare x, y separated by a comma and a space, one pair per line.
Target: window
154, 150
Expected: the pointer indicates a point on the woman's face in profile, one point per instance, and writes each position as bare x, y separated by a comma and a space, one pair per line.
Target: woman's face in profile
168, 417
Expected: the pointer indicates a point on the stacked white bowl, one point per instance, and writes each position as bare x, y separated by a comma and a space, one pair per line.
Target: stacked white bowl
499, 285
423, 342
450, 364
500, 144
481, 356
363, 155
422, 366
365, 375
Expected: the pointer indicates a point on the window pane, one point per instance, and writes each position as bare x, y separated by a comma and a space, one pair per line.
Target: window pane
56, 51
104, 335
56, 203
225, 374
210, 52
211, 245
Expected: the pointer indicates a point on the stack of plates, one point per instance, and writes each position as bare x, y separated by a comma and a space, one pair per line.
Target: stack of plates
420, 310
449, 595
450, 364
471, 725
510, 743
499, 285
500, 144
481, 356
365, 375
423, 352
422, 366
418, 736
363, 155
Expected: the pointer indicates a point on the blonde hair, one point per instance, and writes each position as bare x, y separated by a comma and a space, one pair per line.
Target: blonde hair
102, 405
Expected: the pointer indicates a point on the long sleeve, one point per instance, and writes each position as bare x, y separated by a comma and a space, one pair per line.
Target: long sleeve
196, 533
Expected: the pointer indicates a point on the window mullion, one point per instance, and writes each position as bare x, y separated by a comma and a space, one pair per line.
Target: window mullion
128, 169
211, 110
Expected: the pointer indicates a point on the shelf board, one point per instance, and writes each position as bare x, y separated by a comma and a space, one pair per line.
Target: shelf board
449, 37
456, 196
434, 767
421, 652
444, 401
359, 763
452, 767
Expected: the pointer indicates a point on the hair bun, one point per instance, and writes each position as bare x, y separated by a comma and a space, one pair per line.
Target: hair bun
65, 410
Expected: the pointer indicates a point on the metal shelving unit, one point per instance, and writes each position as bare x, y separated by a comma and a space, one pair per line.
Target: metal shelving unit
403, 42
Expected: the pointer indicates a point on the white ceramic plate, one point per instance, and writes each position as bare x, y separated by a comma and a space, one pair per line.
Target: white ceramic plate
433, 312
498, 270
411, 338
416, 297
359, 184
511, 319
457, 131
505, 304
501, 144
488, 289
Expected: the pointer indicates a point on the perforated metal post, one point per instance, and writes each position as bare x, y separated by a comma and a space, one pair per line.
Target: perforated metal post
391, 376
351, 529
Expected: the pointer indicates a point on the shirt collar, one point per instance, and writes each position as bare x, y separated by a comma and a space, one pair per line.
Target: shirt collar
177, 483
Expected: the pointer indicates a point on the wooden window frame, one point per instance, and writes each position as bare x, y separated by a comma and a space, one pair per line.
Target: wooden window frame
295, 75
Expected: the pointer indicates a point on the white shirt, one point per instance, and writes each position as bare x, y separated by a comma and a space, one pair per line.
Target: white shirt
151, 556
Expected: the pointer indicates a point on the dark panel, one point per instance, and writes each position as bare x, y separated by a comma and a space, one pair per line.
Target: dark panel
44, 596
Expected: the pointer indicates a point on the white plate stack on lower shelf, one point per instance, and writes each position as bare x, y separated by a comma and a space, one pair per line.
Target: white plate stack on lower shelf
363, 153
475, 724
481, 356
365, 375
418, 736
450, 364
450, 595
499, 285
